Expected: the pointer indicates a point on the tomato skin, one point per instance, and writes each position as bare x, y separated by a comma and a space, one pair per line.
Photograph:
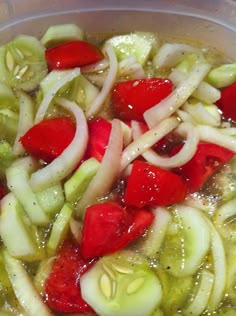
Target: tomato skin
72, 54
62, 288
99, 133
48, 139
108, 227
207, 160
151, 185
227, 102
130, 99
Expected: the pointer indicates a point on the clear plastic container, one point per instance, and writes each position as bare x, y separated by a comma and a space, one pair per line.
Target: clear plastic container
212, 22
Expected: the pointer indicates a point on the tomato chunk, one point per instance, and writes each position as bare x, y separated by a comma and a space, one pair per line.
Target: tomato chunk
130, 99
151, 185
227, 102
206, 161
48, 139
108, 227
72, 54
99, 133
62, 288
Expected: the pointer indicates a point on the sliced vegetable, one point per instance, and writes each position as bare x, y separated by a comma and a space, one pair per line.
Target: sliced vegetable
62, 288
114, 227
226, 102
207, 160
60, 228
117, 286
72, 54
130, 99
48, 139
222, 76
99, 133
138, 44
23, 287
17, 232
6, 156
22, 62
7, 98
8, 125
61, 33
79, 181
151, 185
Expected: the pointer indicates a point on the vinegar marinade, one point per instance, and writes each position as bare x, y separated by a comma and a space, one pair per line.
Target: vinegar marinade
117, 176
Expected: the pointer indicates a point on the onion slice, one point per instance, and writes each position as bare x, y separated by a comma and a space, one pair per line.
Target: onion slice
147, 140
183, 156
108, 171
97, 104
184, 90
216, 136
63, 165
72, 74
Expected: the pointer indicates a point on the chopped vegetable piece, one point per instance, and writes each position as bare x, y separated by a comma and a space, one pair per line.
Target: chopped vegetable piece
22, 62
61, 33
62, 288
117, 286
130, 99
207, 160
222, 76
108, 227
72, 54
227, 102
151, 185
140, 45
99, 133
48, 139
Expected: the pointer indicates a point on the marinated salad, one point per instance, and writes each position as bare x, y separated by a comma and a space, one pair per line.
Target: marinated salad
118, 176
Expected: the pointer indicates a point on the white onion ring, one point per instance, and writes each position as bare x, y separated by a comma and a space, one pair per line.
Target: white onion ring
26, 121
96, 67
52, 92
183, 156
108, 170
216, 136
97, 104
63, 165
170, 104
147, 140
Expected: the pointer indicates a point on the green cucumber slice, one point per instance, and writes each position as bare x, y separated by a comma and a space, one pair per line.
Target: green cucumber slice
118, 287
22, 62
7, 98
61, 33
187, 245
78, 183
137, 44
18, 234
24, 289
60, 228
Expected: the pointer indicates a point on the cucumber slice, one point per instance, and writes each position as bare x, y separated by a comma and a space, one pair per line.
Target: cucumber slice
185, 249
51, 200
8, 125
78, 183
61, 33
59, 229
22, 62
118, 287
24, 288
7, 98
42, 274
137, 44
17, 232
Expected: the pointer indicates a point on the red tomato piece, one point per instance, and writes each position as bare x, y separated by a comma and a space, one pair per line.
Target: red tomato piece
72, 54
99, 133
3, 191
206, 161
130, 99
227, 102
48, 139
151, 185
108, 227
62, 288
